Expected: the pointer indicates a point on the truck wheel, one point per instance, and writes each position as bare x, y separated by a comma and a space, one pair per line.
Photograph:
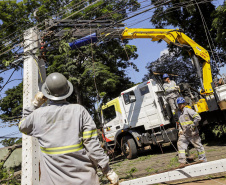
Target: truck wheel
129, 147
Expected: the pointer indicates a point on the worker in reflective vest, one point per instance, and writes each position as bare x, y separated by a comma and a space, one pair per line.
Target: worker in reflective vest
188, 131
70, 149
171, 92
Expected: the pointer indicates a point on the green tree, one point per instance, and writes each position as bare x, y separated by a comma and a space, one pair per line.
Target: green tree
219, 25
11, 141
15, 18
174, 65
11, 105
94, 68
186, 16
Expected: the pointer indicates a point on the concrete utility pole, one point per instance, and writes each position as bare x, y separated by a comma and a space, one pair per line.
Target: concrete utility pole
31, 85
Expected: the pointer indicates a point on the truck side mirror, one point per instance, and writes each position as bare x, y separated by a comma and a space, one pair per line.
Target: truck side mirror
132, 98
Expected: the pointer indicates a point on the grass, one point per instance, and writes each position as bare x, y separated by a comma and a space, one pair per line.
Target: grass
173, 162
132, 170
151, 170
223, 178
129, 174
211, 150
143, 158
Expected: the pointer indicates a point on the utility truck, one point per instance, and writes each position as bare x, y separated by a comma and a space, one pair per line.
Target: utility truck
140, 116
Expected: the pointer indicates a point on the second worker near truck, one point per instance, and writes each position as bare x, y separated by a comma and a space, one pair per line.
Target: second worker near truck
171, 92
188, 132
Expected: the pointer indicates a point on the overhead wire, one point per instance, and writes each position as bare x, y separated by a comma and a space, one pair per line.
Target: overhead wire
66, 17
7, 80
91, 43
21, 43
84, 1
207, 32
42, 17
136, 14
103, 16
32, 54
43, 30
30, 43
178, 6
127, 18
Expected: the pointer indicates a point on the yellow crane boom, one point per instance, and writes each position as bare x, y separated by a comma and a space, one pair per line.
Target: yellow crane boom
176, 37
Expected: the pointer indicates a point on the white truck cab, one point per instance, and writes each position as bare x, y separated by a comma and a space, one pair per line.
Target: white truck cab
135, 118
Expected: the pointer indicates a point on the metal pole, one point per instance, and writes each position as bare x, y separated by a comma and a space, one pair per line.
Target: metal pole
30, 149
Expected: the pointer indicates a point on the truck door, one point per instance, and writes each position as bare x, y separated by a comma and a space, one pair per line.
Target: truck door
140, 107
111, 114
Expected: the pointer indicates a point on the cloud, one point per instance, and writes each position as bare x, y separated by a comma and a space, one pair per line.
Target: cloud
165, 51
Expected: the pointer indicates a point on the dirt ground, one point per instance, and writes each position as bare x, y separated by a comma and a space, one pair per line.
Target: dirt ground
153, 161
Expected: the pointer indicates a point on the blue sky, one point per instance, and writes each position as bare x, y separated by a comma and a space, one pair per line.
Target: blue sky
147, 50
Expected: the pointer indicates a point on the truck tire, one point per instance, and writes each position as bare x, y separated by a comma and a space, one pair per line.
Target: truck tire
129, 147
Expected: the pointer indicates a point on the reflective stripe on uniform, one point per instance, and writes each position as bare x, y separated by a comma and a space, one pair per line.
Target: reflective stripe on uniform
203, 152
169, 88
195, 115
181, 151
21, 122
62, 150
89, 134
20, 125
186, 123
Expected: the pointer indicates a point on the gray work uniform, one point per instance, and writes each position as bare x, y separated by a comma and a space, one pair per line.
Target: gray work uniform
171, 94
189, 119
70, 149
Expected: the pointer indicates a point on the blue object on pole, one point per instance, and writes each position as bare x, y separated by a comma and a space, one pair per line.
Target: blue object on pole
83, 41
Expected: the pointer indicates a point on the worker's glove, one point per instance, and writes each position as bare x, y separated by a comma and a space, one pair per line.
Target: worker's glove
180, 132
177, 88
39, 99
112, 177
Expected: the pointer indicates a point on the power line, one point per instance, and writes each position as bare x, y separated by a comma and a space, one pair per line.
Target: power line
7, 80
54, 25
207, 32
34, 25
40, 17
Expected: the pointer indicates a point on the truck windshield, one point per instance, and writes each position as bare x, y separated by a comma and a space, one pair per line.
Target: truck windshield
109, 114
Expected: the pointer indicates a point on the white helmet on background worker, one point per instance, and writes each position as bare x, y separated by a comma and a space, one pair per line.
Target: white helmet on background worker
57, 87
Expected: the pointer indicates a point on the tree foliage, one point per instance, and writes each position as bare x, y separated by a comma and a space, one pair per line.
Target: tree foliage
170, 64
219, 25
187, 16
11, 141
96, 71
11, 105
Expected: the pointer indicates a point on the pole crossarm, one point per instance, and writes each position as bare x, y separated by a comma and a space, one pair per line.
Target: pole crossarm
195, 170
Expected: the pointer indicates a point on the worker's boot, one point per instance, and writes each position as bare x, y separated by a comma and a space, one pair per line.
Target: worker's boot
192, 157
